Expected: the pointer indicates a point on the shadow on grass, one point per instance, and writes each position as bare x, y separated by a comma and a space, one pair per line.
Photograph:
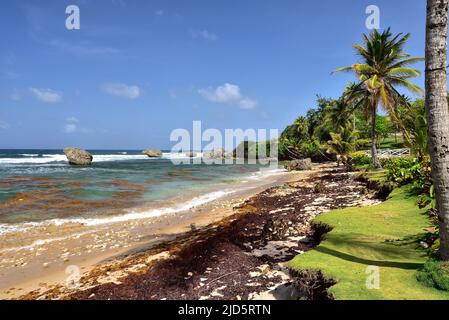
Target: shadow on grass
348, 257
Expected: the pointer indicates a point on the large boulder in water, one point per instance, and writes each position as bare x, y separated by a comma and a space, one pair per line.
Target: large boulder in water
215, 154
298, 165
78, 157
153, 153
208, 154
220, 153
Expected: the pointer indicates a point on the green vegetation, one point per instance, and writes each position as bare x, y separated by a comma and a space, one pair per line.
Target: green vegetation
360, 158
380, 235
402, 170
307, 136
435, 274
384, 67
342, 144
387, 236
393, 141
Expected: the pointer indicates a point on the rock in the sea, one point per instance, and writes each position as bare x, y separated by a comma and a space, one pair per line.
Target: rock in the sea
191, 154
78, 157
208, 154
220, 153
215, 154
298, 165
153, 153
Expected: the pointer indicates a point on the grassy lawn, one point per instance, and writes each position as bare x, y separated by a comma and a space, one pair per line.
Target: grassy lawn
387, 143
384, 236
392, 143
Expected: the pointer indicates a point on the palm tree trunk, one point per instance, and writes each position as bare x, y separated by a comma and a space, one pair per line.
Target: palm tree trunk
437, 112
374, 158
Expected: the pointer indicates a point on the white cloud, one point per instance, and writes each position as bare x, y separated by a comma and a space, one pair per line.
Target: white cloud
228, 93
71, 126
72, 120
225, 93
4, 125
203, 34
248, 103
46, 95
122, 90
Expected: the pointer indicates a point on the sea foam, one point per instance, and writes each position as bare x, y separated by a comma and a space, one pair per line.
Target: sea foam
54, 158
132, 215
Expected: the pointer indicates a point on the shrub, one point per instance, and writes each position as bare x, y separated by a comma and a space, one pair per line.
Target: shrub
409, 170
395, 162
292, 149
402, 170
363, 143
360, 158
435, 274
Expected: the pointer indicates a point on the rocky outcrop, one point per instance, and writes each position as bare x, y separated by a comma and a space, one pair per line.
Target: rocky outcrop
153, 153
209, 154
215, 154
220, 154
78, 157
298, 165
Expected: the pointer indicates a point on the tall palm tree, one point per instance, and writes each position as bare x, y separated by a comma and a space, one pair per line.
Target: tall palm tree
384, 67
437, 112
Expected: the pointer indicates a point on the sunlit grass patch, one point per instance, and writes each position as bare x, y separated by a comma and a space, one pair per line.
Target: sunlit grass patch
383, 238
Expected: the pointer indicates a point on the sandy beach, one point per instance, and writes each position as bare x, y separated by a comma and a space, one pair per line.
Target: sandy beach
47, 256
173, 253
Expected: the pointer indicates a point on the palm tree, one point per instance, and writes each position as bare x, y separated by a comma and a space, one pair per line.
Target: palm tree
342, 144
437, 112
384, 67
338, 115
420, 144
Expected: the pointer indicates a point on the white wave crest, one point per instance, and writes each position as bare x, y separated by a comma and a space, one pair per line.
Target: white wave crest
132, 215
122, 156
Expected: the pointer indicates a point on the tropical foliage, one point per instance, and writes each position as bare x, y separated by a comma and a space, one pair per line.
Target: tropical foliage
383, 68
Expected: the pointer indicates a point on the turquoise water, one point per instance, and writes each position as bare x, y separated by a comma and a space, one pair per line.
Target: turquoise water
39, 185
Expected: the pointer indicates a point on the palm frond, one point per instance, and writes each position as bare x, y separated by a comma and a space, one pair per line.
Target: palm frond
344, 69
404, 83
404, 72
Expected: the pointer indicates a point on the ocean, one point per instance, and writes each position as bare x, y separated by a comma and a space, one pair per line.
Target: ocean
39, 187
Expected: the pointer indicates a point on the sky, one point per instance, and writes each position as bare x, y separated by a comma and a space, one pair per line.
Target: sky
136, 70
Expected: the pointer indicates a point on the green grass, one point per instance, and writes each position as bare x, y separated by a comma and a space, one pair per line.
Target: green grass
385, 236
376, 175
392, 143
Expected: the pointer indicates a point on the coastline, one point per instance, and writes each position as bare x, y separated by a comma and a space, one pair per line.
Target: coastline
77, 249
216, 225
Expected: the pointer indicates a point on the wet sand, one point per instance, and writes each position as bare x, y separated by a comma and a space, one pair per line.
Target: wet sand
44, 257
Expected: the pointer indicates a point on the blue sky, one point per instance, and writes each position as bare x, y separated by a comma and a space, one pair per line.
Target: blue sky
138, 69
